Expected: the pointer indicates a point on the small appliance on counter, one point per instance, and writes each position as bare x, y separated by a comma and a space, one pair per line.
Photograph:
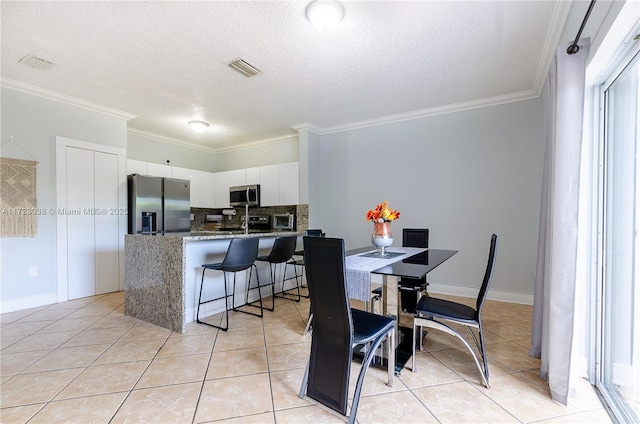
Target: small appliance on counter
213, 222
158, 205
283, 221
258, 223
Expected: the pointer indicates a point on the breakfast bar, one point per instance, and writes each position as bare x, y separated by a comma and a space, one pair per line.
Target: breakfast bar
162, 274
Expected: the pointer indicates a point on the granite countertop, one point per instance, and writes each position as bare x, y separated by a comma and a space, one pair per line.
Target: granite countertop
224, 234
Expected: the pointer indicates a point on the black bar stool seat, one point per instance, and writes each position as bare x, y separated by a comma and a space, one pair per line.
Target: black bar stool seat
241, 255
282, 252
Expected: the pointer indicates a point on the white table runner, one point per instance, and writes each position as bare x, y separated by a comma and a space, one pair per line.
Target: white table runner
358, 269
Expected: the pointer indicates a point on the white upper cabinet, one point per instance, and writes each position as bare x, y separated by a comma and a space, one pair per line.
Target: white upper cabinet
200, 185
221, 183
238, 177
136, 167
158, 170
269, 186
289, 183
279, 184
252, 175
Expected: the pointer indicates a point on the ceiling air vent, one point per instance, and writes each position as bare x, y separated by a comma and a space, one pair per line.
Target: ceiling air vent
245, 68
35, 62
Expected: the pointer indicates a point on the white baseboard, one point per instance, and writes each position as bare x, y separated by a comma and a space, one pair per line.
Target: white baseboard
13, 305
472, 292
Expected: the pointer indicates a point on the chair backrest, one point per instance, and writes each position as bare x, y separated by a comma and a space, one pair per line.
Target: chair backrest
488, 273
241, 254
314, 233
283, 249
415, 237
332, 336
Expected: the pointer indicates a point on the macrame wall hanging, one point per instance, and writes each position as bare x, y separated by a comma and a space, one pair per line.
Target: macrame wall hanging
18, 207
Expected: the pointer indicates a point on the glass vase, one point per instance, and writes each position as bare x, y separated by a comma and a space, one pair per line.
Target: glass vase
382, 237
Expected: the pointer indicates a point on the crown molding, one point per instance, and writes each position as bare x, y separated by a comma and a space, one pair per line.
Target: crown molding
169, 140
551, 41
63, 98
259, 143
389, 119
306, 126
243, 146
424, 113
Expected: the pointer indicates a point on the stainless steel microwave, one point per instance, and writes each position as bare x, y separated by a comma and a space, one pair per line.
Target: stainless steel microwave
283, 221
244, 195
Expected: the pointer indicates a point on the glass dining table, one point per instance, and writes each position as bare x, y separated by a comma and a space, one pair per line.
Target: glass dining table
398, 262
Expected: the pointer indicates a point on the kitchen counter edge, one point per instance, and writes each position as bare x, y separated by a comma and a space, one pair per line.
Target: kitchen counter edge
196, 237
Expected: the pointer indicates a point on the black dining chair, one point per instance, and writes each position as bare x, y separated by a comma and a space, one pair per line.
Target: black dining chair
281, 252
435, 313
411, 289
241, 255
338, 329
298, 261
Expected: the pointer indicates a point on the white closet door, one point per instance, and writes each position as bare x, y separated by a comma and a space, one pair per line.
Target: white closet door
81, 264
106, 222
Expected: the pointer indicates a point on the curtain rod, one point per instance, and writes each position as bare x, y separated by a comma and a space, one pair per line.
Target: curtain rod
574, 48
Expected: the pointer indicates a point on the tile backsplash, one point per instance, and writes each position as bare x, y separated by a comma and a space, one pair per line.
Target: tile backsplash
200, 214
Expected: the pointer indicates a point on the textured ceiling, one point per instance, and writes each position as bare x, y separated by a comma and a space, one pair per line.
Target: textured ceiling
166, 62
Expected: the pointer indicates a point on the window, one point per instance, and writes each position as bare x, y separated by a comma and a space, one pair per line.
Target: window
618, 322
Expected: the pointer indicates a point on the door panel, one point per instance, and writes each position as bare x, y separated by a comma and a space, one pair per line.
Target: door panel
80, 223
619, 352
106, 222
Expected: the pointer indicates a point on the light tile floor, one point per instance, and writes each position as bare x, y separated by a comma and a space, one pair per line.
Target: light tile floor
84, 361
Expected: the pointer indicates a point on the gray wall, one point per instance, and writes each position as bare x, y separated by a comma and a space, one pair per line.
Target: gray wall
156, 150
463, 175
34, 122
269, 154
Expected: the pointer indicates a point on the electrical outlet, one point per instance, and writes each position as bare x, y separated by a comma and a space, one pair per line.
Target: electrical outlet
33, 271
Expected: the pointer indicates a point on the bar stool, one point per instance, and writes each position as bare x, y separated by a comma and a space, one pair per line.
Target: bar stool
281, 252
241, 255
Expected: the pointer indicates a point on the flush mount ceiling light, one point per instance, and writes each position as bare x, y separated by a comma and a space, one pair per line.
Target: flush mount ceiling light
325, 14
198, 126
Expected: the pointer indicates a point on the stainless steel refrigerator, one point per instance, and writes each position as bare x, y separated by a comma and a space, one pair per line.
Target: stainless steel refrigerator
158, 205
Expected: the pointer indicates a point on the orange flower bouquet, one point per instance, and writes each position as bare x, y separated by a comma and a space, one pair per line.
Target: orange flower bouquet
382, 213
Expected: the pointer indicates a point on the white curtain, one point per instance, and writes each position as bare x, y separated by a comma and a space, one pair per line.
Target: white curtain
553, 310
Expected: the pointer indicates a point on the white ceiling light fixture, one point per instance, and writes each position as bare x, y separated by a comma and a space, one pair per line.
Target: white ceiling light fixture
325, 14
198, 126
